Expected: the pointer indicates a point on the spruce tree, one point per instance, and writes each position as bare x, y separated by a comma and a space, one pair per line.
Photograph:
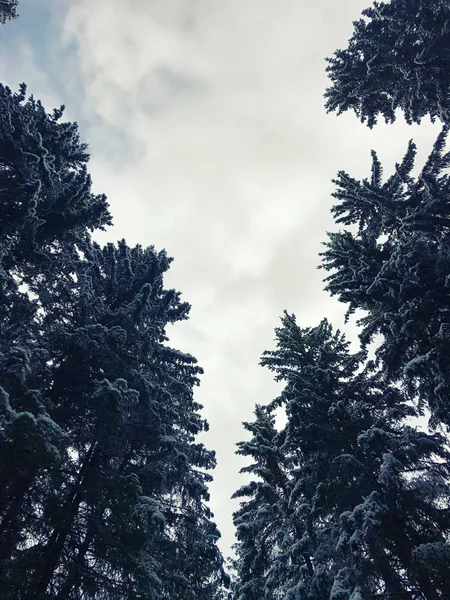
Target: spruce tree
257, 521
397, 58
47, 208
364, 509
103, 486
349, 502
394, 266
8, 10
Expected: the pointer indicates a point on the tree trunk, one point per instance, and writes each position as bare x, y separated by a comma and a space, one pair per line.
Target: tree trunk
73, 579
10, 523
52, 551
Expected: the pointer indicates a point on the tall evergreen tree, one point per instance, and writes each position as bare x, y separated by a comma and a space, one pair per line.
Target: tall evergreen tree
397, 58
103, 487
258, 519
348, 501
363, 509
395, 268
8, 10
47, 208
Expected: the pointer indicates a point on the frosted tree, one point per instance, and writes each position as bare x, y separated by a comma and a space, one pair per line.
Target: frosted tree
261, 532
397, 58
347, 501
395, 267
103, 486
133, 520
47, 208
363, 510
8, 10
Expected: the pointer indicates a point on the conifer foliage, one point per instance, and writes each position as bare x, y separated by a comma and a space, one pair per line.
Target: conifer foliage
103, 487
396, 267
350, 499
8, 10
397, 58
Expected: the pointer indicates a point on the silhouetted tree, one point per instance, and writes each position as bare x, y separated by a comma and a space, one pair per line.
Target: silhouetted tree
397, 58
348, 502
8, 10
103, 487
394, 266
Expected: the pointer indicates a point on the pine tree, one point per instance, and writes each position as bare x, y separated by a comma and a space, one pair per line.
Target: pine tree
397, 58
364, 509
348, 502
103, 486
395, 268
8, 10
258, 519
47, 208
136, 487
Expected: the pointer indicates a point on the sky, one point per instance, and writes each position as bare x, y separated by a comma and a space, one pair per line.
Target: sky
207, 132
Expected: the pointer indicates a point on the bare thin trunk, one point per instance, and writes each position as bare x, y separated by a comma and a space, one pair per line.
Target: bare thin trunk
52, 551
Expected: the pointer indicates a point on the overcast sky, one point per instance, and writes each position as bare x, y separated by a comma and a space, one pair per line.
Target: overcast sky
207, 132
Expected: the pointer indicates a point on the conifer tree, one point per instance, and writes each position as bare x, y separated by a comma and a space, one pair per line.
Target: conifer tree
395, 268
397, 58
103, 487
349, 502
8, 10
47, 208
258, 519
364, 509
